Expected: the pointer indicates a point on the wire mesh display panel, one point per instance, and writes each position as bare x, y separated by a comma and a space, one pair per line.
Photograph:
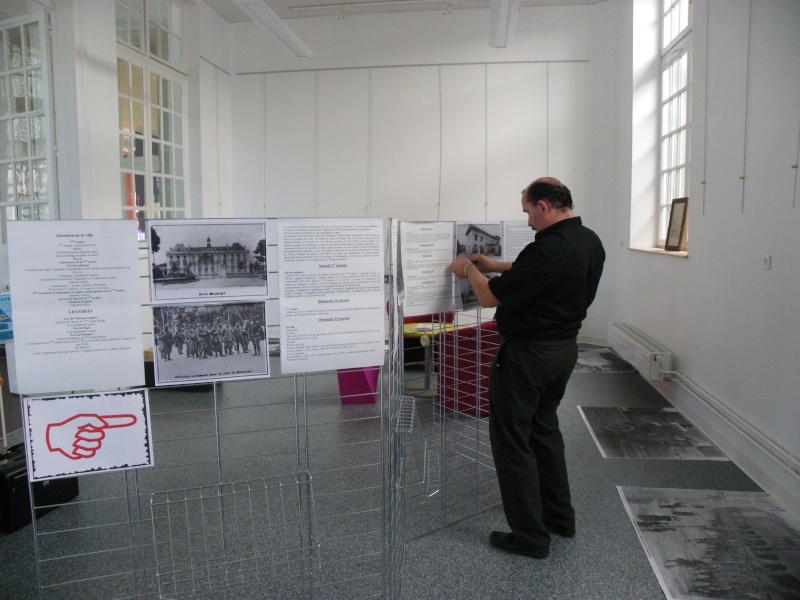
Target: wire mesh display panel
448, 467
256, 535
262, 489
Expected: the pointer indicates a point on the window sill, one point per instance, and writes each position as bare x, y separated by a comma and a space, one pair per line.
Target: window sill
661, 251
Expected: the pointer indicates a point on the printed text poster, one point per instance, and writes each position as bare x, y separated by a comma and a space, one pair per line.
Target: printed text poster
332, 301
77, 316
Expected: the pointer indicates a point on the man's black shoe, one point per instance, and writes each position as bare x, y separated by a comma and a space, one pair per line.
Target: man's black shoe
507, 543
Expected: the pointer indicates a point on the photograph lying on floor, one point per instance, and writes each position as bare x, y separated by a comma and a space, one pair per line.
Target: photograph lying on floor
332, 294
205, 259
77, 305
197, 343
661, 433
716, 544
484, 237
601, 360
68, 435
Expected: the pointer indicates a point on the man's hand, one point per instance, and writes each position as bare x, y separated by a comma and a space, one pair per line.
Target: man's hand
459, 266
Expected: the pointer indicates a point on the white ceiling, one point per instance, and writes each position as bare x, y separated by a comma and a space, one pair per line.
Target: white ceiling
287, 9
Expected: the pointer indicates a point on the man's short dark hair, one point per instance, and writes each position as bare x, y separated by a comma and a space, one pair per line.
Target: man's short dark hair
558, 196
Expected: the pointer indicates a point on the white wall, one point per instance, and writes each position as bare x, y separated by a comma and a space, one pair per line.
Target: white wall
412, 116
732, 325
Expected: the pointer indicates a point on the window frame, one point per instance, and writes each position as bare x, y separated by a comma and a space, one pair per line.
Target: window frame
46, 112
677, 168
152, 65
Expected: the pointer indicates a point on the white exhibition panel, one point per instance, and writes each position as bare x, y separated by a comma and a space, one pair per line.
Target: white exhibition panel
248, 129
727, 93
773, 117
463, 142
405, 143
291, 144
568, 130
344, 135
517, 141
215, 141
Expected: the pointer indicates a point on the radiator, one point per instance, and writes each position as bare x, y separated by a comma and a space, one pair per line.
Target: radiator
648, 356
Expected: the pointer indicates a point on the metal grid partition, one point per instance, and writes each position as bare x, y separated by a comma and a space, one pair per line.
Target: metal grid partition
448, 468
267, 488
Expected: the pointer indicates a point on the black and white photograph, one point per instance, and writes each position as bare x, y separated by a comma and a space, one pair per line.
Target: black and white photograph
600, 359
479, 237
207, 259
716, 544
644, 432
197, 343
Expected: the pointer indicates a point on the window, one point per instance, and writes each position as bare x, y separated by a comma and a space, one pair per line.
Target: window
674, 131
27, 191
151, 111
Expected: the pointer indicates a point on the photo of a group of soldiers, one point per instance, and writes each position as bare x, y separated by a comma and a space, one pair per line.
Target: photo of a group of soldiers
209, 342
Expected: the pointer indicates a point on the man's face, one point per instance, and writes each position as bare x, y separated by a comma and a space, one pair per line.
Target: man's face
534, 213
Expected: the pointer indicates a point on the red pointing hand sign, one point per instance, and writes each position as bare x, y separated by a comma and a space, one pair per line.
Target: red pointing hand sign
82, 436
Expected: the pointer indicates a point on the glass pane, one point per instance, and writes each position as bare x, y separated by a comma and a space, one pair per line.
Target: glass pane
179, 194
137, 82
135, 24
138, 117
122, 24
18, 92
34, 51
164, 45
139, 190
168, 192
6, 183
155, 90
169, 168
126, 189
14, 47
155, 123
165, 93
19, 128
664, 154
41, 212
38, 136
125, 154
167, 127
123, 78
4, 104
124, 115
178, 162
3, 66
177, 126
177, 98
155, 46
157, 188
165, 13
39, 173
6, 143
22, 181
156, 157
138, 150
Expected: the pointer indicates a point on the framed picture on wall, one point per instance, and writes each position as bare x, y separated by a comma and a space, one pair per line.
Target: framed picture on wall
676, 231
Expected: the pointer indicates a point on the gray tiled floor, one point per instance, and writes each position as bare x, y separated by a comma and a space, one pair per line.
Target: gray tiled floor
605, 560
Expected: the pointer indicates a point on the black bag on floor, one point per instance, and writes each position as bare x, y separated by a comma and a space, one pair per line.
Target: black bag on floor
15, 505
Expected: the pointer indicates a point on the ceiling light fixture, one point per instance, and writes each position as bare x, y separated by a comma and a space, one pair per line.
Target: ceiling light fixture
263, 15
504, 22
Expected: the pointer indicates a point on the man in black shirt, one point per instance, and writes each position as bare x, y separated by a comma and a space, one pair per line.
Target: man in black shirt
541, 299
